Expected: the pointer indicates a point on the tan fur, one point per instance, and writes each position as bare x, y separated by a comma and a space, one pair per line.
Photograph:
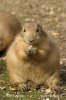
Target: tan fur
9, 27
42, 67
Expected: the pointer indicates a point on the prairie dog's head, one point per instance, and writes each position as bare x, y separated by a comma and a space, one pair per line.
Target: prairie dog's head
32, 33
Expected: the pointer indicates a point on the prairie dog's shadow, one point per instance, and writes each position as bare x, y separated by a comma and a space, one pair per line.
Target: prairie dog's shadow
2, 53
2, 61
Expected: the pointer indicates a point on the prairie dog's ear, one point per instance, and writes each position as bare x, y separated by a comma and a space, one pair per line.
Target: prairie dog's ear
40, 29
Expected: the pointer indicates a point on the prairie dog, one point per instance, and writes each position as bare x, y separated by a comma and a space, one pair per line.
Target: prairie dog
9, 27
33, 56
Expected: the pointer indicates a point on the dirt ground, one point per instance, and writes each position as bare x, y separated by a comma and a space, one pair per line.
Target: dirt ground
51, 14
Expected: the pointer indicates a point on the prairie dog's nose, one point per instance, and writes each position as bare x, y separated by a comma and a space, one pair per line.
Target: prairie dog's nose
30, 40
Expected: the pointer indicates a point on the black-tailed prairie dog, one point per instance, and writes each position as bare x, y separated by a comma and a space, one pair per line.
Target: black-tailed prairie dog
33, 57
9, 27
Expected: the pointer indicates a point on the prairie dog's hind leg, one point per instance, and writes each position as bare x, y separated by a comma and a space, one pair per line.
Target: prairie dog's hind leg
22, 84
53, 82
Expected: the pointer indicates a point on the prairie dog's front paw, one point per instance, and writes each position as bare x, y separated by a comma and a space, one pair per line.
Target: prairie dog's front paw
31, 51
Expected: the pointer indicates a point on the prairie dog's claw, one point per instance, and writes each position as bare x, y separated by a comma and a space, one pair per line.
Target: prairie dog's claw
23, 87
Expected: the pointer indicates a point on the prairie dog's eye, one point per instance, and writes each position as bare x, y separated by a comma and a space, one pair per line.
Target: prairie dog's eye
24, 30
37, 30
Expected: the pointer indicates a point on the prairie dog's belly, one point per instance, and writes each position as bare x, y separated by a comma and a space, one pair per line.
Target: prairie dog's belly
33, 72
